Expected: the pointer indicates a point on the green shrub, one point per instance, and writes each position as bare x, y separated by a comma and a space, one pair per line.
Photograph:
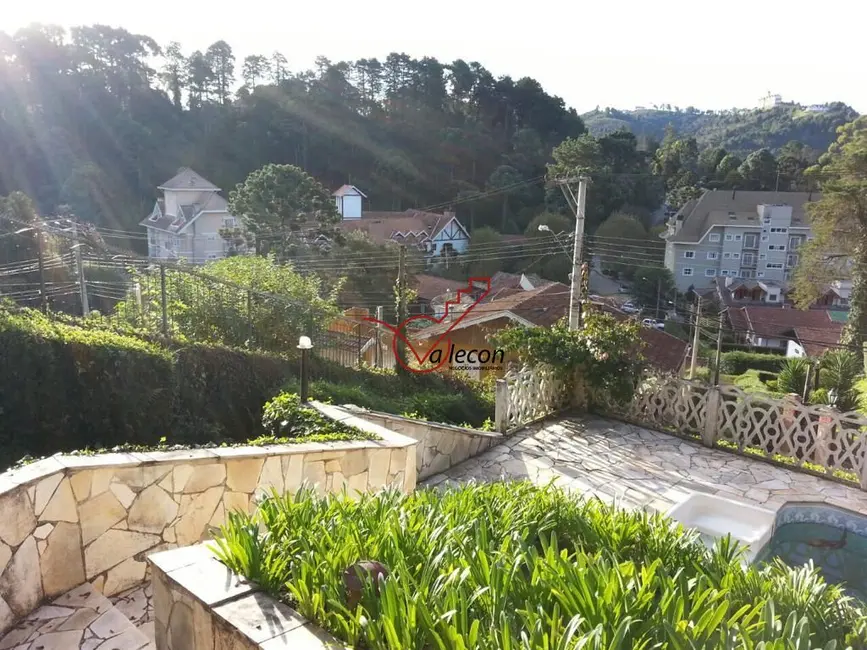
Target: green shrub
819, 396
750, 383
434, 397
511, 565
285, 417
738, 362
793, 375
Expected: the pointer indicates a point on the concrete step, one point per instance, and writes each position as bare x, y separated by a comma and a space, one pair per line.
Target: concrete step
85, 619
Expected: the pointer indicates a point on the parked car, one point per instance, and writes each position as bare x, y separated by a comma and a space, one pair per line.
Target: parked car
623, 288
651, 322
630, 308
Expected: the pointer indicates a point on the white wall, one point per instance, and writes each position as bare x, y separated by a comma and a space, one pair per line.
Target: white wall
349, 206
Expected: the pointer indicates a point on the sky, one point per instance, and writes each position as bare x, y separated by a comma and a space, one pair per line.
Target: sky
624, 54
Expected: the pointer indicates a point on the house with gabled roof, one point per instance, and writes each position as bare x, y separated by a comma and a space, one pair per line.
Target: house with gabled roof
437, 235
186, 222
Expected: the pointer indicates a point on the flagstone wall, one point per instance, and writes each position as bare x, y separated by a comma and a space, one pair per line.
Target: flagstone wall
440, 446
67, 520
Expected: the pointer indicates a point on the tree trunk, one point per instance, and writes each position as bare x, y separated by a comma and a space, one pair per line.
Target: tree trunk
856, 326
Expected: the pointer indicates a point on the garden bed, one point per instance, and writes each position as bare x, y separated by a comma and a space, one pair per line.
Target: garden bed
512, 565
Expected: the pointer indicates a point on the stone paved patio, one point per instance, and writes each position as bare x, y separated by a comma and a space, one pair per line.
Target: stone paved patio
640, 468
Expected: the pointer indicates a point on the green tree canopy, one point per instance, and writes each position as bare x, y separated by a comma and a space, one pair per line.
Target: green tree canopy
838, 249
759, 170
278, 201
652, 285
237, 301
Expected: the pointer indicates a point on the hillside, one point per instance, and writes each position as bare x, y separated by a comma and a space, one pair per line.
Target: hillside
87, 123
738, 132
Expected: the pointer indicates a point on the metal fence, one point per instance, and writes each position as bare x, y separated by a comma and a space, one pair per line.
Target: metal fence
141, 296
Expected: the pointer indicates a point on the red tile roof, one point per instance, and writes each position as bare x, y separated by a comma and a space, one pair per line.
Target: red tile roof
416, 226
817, 341
547, 305
779, 322
429, 287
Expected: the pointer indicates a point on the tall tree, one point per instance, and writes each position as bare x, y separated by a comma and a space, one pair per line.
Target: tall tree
175, 71
279, 68
255, 68
759, 170
838, 249
222, 63
277, 202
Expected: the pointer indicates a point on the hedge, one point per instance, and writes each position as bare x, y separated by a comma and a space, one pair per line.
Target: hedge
737, 363
66, 388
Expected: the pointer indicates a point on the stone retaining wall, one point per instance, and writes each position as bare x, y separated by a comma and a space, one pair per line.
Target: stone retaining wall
440, 445
66, 520
199, 603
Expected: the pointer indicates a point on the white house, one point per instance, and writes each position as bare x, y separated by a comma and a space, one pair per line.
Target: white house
438, 235
186, 222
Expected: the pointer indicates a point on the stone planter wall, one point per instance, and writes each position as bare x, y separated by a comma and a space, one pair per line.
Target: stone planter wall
66, 520
199, 603
440, 445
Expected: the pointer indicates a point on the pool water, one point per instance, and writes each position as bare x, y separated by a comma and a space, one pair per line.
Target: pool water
838, 552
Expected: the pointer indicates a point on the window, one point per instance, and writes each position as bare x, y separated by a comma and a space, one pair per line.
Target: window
212, 256
211, 236
152, 237
794, 242
779, 230
760, 274
764, 238
772, 297
689, 255
727, 256
774, 265
749, 259
155, 217
169, 245
687, 271
791, 260
767, 219
747, 274
724, 272
714, 237
229, 222
751, 241
738, 237
709, 273
711, 255
776, 248
730, 237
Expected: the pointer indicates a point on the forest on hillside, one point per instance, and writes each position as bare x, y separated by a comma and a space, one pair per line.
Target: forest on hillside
93, 119
739, 131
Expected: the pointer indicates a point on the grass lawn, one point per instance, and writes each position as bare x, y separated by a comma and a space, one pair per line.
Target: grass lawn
510, 565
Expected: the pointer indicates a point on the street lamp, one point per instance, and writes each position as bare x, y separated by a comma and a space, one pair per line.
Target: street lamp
305, 345
545, 228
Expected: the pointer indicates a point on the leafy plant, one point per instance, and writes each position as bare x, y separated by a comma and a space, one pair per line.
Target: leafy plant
512, 565
793, 375
839, 370
606, 352
737, 362
285, 416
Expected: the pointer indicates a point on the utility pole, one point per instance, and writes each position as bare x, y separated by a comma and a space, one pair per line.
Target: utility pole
79, 267
718, 358
39, 255
401, 304
658, 295
695, 337
577, 204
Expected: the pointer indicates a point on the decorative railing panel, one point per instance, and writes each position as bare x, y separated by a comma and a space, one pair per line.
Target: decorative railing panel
818, 435
527, 394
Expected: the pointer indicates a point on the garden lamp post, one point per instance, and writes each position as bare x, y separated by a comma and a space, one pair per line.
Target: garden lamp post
305, 345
